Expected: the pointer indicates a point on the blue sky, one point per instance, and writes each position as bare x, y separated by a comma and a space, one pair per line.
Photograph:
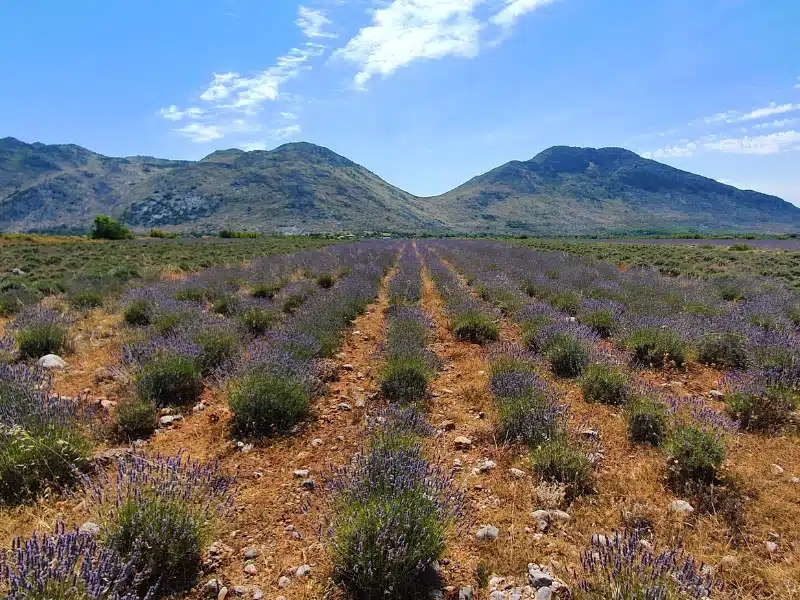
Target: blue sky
425, 93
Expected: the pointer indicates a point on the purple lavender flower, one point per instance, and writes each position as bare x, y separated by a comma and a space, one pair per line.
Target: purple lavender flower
67, 564
624, 566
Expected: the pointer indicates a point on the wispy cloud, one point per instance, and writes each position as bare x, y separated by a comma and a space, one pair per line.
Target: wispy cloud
173, 113
290, 116
234, 91
409, 30
514, 9
737, 116
773, 143
312, 22
777, 124
201, 133
287, 132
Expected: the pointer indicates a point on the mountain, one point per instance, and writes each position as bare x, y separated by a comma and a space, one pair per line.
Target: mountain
301, 187
586, 190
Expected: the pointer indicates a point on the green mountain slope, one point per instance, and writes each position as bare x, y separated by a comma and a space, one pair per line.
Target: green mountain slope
585, 190
301, 187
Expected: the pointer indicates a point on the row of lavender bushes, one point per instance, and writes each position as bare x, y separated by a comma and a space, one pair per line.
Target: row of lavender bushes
408, 365
391, 507
746, 326
260, 332
470, 320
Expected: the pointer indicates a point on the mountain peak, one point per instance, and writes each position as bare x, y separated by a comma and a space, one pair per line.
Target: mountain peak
223, 156
312, 152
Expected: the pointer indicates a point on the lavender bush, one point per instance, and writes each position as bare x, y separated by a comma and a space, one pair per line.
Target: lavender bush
622, 567
44, 439
760, 401
39, 331
68, 565
391, 510
159, 513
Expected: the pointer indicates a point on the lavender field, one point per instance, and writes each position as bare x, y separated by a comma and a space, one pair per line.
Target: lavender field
402, 419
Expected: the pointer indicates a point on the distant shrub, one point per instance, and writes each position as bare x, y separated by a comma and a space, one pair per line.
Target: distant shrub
160, 233
326, 280
725, 350
568, 356
601, 321
530, 329
138, 312
531, 416
536, 289
136, 418
160, 512
264, 403
170, 380
226, 305
167, 322
794, 315
605, 384
66, 565
85, 299
228, 234
265, 290
559, 461
731, 289
695, 453
217, 346
647, 420
739, 247
191, 293
405, 380
761, 401
257, 320
474, 327
568, 302
10, 304
40, 331
656, 346
106, 228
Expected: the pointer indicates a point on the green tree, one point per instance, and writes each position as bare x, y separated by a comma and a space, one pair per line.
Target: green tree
106, 228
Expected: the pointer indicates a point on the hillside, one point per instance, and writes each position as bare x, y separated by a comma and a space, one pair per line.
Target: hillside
301, 187
584, 190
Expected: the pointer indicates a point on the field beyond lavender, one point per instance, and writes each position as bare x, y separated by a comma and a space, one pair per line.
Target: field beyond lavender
402, 419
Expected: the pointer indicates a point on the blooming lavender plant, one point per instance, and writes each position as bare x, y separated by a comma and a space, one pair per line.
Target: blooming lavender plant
67, 565
159, 513
762, 400
39, 331
44, 439
623, 567
390, 512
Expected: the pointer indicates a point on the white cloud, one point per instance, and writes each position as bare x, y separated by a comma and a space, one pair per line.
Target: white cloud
290, 116
737, 116
768, 111
514, 9
777, 124
312, 22
233, 91
173, 113
286, 132
207, 132
721, 117
248, 146
680, 151
774, 143
409, 30
200, 132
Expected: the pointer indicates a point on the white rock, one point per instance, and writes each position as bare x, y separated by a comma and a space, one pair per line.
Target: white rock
487, 533
302, 571
516, 473
344, 406
776, 469
166, 420
51, 361
284, 582
462, 443
93, 529
544, 593
772, 547
301, 473
250, 569
681, 507
485, 466
559, 515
